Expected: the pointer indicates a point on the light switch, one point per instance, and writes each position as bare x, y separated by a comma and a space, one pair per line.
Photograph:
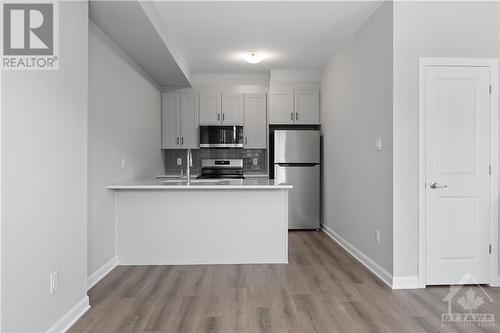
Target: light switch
378, 144
54, 282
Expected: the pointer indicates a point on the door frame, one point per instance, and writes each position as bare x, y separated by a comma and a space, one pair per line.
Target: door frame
492, 64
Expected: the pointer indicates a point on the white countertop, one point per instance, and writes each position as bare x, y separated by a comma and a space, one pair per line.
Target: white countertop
211, 184
193, 176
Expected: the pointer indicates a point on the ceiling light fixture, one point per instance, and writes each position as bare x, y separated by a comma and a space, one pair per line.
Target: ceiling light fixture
253, 57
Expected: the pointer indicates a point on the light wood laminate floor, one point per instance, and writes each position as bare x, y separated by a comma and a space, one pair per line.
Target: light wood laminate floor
322, 289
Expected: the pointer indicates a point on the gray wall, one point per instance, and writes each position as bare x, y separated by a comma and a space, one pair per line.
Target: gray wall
124, 122
356, 108
427, 29
44, 182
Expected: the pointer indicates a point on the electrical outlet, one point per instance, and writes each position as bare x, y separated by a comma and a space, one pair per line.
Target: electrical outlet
124, 163
255, 161
378, 144
179, 161
54, 282
377, 236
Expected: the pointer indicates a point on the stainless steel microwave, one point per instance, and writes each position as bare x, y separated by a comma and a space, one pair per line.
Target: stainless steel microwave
221, 136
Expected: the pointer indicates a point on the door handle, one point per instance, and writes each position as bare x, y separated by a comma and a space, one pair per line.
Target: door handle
291, 115
435, 185
296, 116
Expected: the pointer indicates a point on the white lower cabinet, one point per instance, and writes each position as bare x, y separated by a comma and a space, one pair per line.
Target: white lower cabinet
180, 120
255, 122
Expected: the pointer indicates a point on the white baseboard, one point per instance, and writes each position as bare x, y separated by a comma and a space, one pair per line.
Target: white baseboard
101, 272
371, 265
64, 324
405, 282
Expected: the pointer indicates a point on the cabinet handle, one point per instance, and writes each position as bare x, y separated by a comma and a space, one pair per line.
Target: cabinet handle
177, 140
246, 140
296, 116
218, 116
291, 115
223, 116
182, 140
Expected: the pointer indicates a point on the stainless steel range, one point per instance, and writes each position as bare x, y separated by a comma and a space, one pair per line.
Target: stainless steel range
221, 169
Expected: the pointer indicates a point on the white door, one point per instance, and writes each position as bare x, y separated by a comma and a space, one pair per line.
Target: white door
306, 106
170, 121
254, 127
457, 158
232, 109
281, 106
210, 109
189, 121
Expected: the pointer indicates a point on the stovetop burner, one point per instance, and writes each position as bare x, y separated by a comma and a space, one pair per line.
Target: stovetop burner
202, 176
221, 169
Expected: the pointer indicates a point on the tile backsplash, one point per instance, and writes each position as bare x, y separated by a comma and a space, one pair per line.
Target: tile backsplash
170, 157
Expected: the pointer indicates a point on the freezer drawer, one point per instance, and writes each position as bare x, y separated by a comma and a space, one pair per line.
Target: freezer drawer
296, 146
303, 199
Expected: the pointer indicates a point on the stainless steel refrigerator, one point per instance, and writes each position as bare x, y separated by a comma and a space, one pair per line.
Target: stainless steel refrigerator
297, 162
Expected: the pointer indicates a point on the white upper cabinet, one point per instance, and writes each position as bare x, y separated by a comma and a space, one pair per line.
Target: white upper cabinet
281, 106
189, 121
180, 121
289, 106
255, 126
232, 109
210, 109
306, 106
170, 125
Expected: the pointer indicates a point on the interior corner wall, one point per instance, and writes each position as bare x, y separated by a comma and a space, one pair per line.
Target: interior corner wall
44, 182
124, 123
356, 109
427, 29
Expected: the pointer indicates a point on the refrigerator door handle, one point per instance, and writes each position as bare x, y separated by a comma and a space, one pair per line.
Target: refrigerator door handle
297, 165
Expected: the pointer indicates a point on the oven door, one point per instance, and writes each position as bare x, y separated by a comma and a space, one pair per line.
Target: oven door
221, 136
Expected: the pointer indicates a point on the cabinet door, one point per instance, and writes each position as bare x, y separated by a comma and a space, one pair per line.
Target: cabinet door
281, 106
210, 109
232, 109
170, 123
189, 121
254, 127
306, 106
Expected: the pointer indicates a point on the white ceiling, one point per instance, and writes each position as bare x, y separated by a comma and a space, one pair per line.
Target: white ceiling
296, 35
131, 25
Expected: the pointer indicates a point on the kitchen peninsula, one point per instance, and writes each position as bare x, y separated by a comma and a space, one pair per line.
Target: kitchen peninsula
171, 222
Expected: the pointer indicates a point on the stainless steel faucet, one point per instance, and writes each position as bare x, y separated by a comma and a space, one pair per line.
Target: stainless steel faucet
188, 166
